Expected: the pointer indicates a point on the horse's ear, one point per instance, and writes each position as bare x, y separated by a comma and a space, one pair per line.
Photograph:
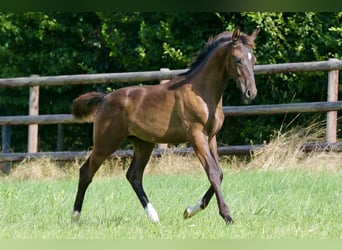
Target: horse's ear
236, 35
255, 33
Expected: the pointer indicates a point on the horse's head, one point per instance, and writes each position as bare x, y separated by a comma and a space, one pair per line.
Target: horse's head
241, 63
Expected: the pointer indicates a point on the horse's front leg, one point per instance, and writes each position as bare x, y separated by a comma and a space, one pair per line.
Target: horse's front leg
207, 154
204, 201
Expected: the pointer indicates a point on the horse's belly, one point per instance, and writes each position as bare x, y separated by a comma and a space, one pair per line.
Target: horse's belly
159, 135
172, 138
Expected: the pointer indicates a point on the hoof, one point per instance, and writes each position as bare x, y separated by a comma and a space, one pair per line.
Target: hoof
192, 210
151, 213
187, 213
228, 219
75, 216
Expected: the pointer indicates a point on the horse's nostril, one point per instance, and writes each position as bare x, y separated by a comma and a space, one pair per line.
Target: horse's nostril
248, 93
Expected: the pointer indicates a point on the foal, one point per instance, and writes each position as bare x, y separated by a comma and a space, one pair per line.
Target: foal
188, 108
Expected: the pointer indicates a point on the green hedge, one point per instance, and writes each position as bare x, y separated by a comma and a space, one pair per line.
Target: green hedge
86, 42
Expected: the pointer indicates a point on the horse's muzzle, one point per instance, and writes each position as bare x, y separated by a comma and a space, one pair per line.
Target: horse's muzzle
250, 94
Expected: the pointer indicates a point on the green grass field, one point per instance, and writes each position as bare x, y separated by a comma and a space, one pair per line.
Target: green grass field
266, 204
278, 193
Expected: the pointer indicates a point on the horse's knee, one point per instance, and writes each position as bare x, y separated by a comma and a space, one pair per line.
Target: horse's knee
215, 176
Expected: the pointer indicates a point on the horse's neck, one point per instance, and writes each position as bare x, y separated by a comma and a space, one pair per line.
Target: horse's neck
210, 79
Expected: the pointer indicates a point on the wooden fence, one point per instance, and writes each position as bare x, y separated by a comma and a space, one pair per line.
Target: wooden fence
33, 119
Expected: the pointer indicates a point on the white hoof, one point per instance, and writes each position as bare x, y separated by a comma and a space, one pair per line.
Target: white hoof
192, 210
187, 213
151, 213
75, 216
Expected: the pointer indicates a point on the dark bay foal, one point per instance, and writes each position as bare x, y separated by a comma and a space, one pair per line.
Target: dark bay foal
188, 108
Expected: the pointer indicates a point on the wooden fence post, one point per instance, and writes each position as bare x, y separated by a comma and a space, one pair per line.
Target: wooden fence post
163, 145
32, 141
331, 127
6, 146
60, 137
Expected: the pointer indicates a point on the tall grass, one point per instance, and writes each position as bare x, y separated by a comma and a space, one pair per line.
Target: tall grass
285, 151
278, 193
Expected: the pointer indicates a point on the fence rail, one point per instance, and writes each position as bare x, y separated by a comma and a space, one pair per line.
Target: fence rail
304, 107
333, 105
146, 76
225, 150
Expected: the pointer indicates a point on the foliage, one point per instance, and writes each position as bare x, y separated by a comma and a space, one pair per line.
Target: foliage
286, 37
74, 43
47, 44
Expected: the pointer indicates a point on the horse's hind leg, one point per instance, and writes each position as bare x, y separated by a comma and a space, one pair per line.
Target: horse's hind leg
142, 153
106, 141
87, 172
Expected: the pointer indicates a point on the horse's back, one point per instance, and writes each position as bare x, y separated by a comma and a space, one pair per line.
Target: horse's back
151, 113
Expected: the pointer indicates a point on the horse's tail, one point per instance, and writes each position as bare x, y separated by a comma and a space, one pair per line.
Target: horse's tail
85, 106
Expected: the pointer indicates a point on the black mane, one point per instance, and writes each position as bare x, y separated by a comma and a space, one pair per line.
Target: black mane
212, 44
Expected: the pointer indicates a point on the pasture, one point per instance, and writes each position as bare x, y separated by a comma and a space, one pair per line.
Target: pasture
293, 203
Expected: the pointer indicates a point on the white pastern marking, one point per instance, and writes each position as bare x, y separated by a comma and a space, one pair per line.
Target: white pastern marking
192, 210
75, 216
151, 213
249, 56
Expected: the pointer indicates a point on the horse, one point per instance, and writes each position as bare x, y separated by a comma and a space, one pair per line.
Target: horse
188, 108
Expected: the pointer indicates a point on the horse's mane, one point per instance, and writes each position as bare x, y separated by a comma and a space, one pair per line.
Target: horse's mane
214, 42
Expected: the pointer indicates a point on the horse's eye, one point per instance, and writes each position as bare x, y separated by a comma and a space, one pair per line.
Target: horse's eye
238, 60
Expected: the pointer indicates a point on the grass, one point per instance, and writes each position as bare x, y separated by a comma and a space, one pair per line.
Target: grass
268, 204
279, 193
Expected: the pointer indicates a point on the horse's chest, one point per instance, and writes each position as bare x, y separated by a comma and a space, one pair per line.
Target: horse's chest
209, 115
214, 122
